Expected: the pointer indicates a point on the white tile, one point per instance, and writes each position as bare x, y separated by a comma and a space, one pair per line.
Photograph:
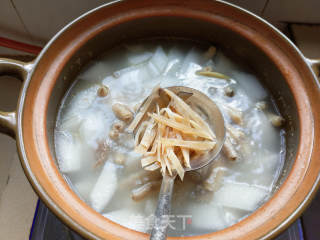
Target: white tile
303, 11
9, 90
307, 38
17, 199
17, 204
255, 6
10, 24
45, 18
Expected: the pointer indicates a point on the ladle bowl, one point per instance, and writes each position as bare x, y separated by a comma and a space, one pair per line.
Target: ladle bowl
211, 113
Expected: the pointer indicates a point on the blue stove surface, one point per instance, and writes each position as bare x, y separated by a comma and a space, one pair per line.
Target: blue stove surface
46, 226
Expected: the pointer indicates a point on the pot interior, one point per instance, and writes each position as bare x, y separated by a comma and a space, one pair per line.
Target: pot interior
157, 28
201, 33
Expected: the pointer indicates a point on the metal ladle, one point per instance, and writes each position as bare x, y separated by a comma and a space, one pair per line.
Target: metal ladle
215, 119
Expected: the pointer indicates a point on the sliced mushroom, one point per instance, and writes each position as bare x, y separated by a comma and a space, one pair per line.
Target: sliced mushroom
114, 134
229, 150
122, 112
214, 180
276, 120
102, 153
103, 91
235, 115
141, 177
210, 52
228, 91
262, 105
141, 192
235, 133
119, 126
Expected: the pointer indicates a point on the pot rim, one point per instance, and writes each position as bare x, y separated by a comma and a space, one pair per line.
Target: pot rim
59, 211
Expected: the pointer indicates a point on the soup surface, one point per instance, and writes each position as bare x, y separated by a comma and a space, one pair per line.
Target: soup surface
96, 154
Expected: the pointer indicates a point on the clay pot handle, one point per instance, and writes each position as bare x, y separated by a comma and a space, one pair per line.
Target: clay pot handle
21, 70
315, 65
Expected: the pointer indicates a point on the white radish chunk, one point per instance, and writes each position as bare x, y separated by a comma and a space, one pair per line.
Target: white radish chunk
233, 215
159, 59
105, 187
71, 123
84, 98
139, 58
97, 71
262, 130
152, 70
175, 58
129, 218
150, 206
69, 154
250, 85
194, 57
240, 196
92, 128
85, 185
206, 217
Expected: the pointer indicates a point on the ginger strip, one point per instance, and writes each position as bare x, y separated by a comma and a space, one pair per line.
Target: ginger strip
172, 136
195, 145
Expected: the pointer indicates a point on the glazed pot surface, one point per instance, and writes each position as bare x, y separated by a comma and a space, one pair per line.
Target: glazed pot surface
280, 66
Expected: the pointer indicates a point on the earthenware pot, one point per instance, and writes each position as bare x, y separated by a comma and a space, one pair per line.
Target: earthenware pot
279, 64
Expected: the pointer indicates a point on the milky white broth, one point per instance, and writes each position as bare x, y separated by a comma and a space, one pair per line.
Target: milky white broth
131, 72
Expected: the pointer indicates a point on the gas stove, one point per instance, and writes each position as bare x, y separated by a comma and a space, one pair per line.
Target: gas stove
46, 226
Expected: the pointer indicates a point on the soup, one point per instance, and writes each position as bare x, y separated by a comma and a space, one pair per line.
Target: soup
96, 154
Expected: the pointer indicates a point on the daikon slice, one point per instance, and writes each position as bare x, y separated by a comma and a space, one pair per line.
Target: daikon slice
250, 85
139, 58
241, 196
71, 123
105, 187
194, 57
92, 128
159, 59
69, 154
207, 217
85, 185
130, 218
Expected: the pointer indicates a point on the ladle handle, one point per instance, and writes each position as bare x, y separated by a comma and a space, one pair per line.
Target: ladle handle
162, 215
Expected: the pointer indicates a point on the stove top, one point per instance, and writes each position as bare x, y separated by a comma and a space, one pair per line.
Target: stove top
46, 226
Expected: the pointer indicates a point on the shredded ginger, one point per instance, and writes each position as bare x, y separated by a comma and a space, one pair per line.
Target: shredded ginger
172, 136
